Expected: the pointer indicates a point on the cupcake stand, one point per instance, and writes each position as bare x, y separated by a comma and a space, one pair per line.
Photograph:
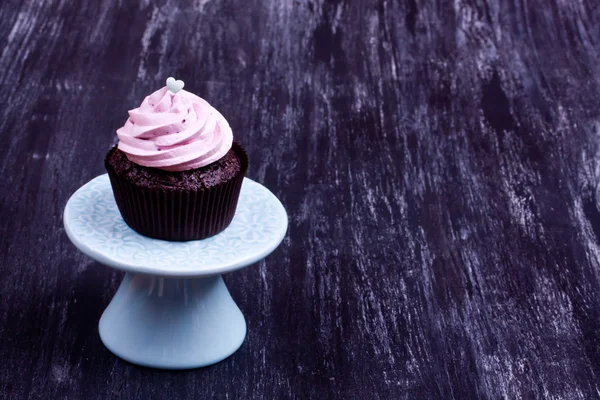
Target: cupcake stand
173, 310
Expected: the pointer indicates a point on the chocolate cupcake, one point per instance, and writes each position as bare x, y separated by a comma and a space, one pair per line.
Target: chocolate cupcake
176, 173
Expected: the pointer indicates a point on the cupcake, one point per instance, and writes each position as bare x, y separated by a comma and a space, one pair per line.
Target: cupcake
176, 172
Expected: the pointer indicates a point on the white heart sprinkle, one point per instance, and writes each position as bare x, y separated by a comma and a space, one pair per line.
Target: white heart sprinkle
173, 85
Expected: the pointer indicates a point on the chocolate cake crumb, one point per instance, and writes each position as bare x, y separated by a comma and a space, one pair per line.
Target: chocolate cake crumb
196, 179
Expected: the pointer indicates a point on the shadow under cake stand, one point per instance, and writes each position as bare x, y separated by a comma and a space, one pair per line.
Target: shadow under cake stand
173, 310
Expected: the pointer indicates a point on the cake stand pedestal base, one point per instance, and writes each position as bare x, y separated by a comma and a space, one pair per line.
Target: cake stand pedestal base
172, 323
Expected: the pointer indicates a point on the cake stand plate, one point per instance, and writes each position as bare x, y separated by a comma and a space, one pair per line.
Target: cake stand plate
173, 310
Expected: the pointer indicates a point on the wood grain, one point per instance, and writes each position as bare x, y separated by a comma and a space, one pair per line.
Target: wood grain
438, 160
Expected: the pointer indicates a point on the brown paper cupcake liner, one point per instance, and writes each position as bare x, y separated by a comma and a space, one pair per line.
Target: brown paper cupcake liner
178, 215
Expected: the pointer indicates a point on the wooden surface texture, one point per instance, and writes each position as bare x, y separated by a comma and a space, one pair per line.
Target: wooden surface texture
438, 160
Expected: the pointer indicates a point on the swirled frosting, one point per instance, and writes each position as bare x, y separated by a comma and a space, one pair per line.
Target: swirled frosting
174, 132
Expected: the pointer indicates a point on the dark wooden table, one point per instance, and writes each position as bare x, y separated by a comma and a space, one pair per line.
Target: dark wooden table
438, 160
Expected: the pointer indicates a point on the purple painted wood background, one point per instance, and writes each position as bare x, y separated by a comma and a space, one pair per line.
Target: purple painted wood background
438, 160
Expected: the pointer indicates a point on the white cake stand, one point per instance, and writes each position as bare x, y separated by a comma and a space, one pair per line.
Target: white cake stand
173, 310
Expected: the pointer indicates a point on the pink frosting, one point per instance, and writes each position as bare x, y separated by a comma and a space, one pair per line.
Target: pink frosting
175, 132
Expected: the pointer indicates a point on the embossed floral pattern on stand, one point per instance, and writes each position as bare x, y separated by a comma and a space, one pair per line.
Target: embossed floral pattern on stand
95, 220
